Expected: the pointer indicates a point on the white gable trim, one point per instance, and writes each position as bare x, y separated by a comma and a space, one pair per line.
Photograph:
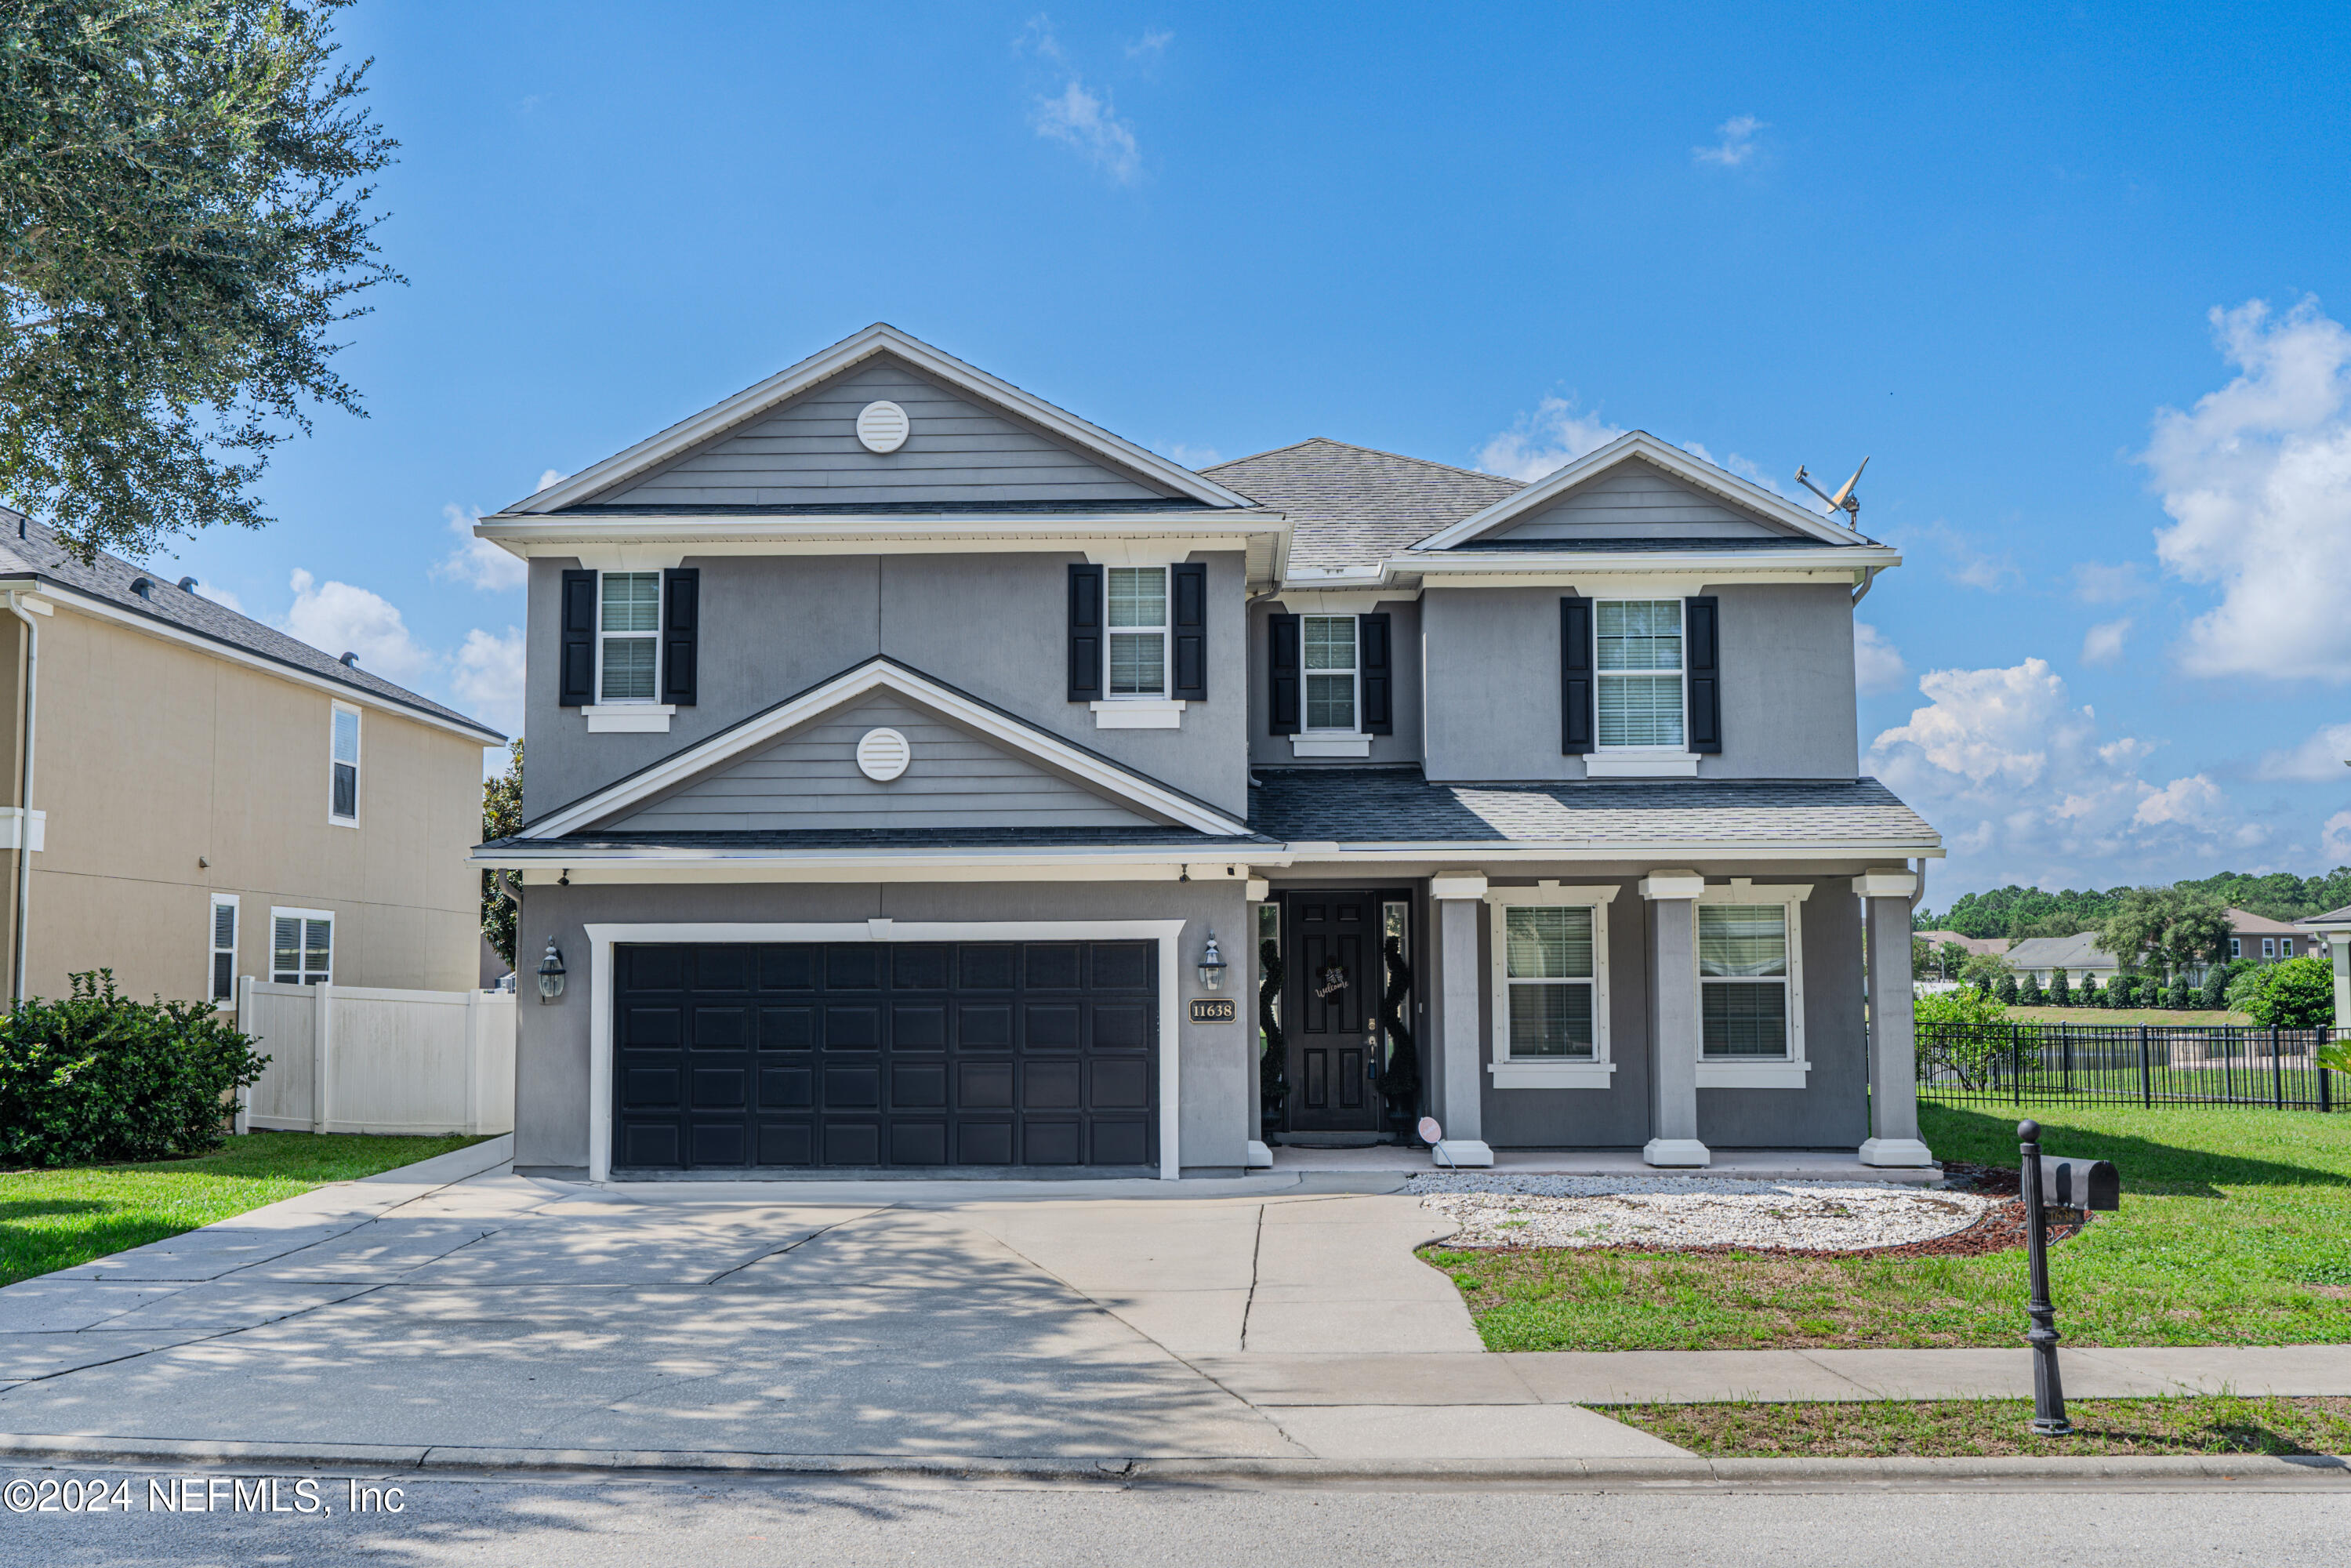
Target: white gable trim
1640, 444
880, 338
875, 676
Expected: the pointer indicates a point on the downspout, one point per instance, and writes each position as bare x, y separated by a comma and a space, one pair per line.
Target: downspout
25, 799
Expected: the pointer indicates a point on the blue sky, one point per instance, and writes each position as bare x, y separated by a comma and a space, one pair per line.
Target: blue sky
1984, 248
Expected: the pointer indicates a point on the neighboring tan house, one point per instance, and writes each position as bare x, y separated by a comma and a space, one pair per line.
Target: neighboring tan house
1978, 945
899, 742
2079, 956
2266, 941
211, 798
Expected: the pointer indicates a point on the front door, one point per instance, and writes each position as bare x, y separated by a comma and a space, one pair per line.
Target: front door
1331, 1009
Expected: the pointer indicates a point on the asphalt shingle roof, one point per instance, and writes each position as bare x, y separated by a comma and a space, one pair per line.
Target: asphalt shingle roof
2332, 917
2078, 952
40, 553
1375, 805
1353, 506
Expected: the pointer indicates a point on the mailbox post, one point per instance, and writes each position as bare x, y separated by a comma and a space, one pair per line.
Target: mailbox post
2077, 1184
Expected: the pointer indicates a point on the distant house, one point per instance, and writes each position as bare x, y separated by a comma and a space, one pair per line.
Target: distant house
1992, 944
2078, 955
2251, 936
2265, 941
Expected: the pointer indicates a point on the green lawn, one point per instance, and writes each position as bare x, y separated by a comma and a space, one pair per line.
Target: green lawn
2235, 1228
2202, 1425
52, 1220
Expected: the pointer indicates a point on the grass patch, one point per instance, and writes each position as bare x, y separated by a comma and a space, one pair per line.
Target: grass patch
2219, 1423
52, 1220
2235, 1230
2159, 1016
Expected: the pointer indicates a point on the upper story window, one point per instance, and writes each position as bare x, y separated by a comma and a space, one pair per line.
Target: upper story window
628, 635
1329, 643
344, 768
1138, 631
1639, 649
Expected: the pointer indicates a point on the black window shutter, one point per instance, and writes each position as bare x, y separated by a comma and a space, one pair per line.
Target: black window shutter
1188, 622
1702, 662
576, 667
1281, 664
1575, 693
681, 620
1085, 634
1373, 664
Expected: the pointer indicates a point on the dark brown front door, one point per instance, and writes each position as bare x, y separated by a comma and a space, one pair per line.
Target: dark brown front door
1333, 1007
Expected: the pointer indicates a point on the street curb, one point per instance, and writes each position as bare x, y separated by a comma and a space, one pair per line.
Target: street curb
2245, 1471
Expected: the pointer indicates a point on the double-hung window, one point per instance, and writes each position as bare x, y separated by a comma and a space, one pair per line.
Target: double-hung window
223, 946
1550, 955
2236, 946
1138, 631
301, 947
344, 767
1750, 1004
1329, 643
1639, 659
2269, 947
2285, 946
628, 636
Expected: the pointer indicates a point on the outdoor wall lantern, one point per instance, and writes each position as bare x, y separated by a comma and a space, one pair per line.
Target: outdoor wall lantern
1212, 967
550, 974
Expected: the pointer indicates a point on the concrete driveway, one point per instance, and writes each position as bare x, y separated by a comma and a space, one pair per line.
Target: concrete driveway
456, 1306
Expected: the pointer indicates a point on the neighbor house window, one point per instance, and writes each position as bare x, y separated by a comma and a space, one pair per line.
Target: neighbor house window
2236, 946
223, 946
344, 767
1549, 951
628, 635
1640, 671
2285, 946
1742, 965
1138, 631
1330, 647
2269, 947
301, 947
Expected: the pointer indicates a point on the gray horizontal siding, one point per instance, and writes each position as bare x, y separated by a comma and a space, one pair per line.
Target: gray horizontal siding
807, 452
810, 779
1638, 500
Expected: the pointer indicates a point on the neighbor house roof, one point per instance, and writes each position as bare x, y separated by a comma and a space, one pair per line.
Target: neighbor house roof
1994, 945
39, 553
1399, 807
2242, 922
1355, 505
2075, 953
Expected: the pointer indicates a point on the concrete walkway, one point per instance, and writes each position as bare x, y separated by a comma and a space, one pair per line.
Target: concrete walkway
454, 1307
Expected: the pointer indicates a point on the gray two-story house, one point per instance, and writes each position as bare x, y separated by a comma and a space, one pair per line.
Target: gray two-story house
923, 778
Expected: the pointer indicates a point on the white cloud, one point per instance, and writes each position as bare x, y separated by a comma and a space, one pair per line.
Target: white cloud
2257, 480
487, 678
1195, 457
1965, 563
477, 560
2103, 644
2334, 839
547, 478
2025, 788
2320, 758
1877, 664
1738, 147
1551, 437
337, 617
2097, 582
1152, 45
1082, 119
220, 596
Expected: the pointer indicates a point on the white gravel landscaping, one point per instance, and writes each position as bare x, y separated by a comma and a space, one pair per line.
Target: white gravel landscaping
1670, 1212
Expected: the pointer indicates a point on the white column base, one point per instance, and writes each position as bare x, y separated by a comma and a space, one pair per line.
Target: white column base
1468, 1153
1260, 1158
1904, 1152
1677, 1151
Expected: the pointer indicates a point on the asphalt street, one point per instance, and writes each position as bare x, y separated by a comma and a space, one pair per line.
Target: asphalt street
588, 1522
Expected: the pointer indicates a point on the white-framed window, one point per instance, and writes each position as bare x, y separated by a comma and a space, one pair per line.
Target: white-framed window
343, 765
1637, 647
2269, 947
2236, 946
628, 635
221, 932
1137, 631
301, 947
2285, 946
1333, 701
1550, 994
1751, 986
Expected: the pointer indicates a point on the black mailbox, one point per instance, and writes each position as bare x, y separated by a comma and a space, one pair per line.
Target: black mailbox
2080, 1184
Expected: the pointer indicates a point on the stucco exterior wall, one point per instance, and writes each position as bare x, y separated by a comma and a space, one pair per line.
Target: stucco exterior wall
153, 758
1270, 750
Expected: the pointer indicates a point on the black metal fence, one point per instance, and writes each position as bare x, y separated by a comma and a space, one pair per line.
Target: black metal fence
2125, 1064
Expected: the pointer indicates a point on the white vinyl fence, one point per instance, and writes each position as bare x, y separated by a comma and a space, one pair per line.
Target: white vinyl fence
350, 1059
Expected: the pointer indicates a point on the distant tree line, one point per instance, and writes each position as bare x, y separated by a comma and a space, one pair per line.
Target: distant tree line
2017, 913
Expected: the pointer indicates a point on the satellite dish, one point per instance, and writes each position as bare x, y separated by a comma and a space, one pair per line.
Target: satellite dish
1845, 500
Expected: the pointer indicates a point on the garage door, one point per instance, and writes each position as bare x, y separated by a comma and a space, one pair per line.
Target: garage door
729, 1056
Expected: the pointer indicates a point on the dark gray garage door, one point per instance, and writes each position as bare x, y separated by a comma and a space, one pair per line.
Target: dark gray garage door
730, 1056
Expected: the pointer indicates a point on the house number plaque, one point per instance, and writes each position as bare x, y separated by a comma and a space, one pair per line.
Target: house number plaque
1214, 1009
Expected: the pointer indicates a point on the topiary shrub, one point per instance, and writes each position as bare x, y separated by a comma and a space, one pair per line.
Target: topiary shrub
2088, 996
2120, 990
98, 1076
2030, 994
2178, 998
2006, 990
2061, 995
2216, 988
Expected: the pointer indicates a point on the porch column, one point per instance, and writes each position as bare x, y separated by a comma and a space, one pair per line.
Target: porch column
1886, 898
1672, 897
1461, 904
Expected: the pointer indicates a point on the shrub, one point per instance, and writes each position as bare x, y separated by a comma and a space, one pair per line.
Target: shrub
2029, 993
2006, 989
2294, 993
98, 1076
2180, 999
2088, 996
1966, 1005
2060, 994
2215, 987
1970, 1055
2120, 990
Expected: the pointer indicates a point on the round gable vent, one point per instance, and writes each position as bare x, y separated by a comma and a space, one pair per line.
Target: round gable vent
883, 427
882, 755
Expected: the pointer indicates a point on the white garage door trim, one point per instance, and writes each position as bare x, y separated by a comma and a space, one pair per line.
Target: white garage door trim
1168, 933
